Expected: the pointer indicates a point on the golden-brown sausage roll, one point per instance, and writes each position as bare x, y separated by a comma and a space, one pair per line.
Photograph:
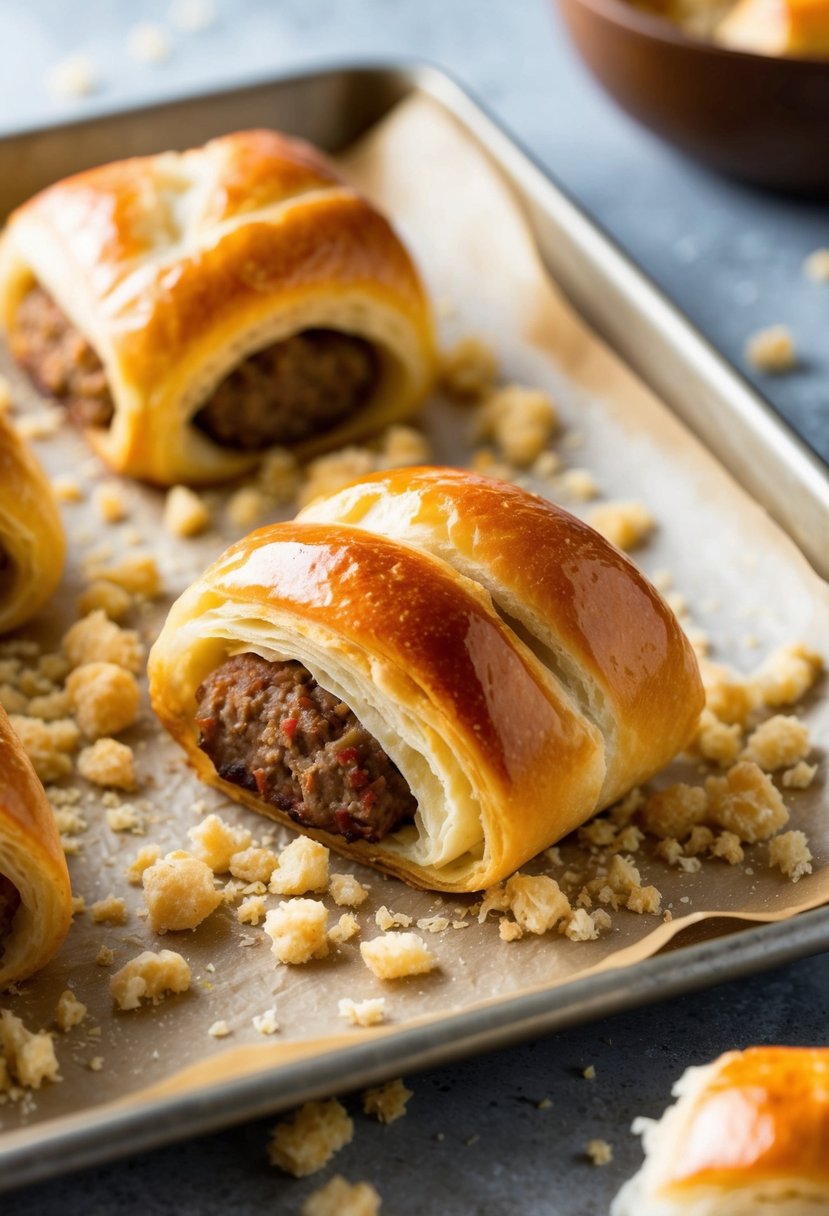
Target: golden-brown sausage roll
374, 695
748, 1135
194, 309
35, 898
32, 542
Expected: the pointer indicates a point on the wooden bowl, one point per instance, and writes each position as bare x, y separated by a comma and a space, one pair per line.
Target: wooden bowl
756, 117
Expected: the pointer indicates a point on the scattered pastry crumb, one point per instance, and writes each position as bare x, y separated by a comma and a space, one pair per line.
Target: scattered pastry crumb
95, 638
247, 506
102, 595
402, 446
346, 927
66, 488
179, 892
104, 698
396, 955
185, 512
29, 1056
779, 742
297, 929
266, 1023
219, 1030
599, 1152
149, 43
251, 910
520, 421
579, 485
47, 744
772, 350
108, 762
149, 977
347, 891
105, 957
468, 370
96, 1064
327, 474
278, 476
786, 675
745, 801
109, 911
800, 777
69, 1011
625, 524
385, 919
727, 846
340, 1198
790, 853
307, 1142
144, 858
370, 1012
589, 1073
124, 818
254, 864
716, 741
41, 424
73, 78
216, 842
300, 868
137, 574
674, 811
109, 503
387, 1102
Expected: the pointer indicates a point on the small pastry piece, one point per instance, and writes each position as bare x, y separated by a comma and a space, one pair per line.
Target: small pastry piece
374, 695
32, 544
748, 1135
777, 27
35, 899
191, 310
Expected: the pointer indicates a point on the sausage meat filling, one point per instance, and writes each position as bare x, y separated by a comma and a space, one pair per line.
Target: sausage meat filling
270, 728
302, 386
9, 903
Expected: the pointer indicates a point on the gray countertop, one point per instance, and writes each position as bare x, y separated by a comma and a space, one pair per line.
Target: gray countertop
475, 1141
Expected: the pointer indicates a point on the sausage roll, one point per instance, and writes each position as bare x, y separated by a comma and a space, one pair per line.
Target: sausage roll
748, 1135
191, 310
444, 711
32, 543
35, 899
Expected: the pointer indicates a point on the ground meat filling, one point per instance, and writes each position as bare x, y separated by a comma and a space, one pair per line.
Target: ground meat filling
270, 728
9, 903
60, 361
299, 387
302, 386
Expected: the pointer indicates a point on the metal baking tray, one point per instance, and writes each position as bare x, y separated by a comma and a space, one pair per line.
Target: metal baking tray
333, 107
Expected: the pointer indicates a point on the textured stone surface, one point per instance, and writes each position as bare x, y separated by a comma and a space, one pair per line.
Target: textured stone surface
474, 1140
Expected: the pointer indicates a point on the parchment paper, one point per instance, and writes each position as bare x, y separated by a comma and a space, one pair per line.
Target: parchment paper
741, 575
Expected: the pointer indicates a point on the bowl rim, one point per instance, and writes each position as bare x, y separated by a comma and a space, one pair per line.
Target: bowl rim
662, 29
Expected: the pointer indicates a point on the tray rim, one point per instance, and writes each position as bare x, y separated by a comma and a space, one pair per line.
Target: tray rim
74, 1141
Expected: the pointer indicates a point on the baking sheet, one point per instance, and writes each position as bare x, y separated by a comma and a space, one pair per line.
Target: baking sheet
741, 575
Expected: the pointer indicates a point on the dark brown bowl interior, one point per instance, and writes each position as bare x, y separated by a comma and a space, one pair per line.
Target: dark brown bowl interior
760, 118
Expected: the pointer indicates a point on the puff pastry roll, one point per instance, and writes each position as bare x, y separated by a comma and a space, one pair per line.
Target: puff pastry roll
194, 309
35, 898
748, 1135
32, 542
383, 699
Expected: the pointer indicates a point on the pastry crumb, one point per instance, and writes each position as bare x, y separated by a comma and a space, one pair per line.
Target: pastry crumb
370, 1012
149, 977
297, 929
346, 927
745, 801
253, 864
301, 867
306, 1142
108, 762
779, 742
625, 524
786, 675
219, 1030
266, 1023
800, 777
109, 503
251, 910
137, 575
599, 1152
216, 842
105, 957
385, 919
179, 892
341, 1198
520, 420
29, 1055
468, 369
185, 512
144, 858
69, 1011
397, 955
347, 891
386, 1103
97, 639
790, 853
104, 596
109, 911
104, 698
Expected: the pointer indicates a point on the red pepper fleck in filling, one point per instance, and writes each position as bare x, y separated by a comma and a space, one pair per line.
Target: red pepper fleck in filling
288, 727
261, 779
358, 779
348, 755
368, 798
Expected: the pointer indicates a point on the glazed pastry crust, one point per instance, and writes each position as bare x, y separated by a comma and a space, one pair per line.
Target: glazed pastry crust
748, 1134
493, 741
31, 534
584, 607
32, 859
177, 267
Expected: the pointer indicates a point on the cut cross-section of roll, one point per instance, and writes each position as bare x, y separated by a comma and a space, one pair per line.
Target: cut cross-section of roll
35, 897
748, 1135
373, 695
191, 310
32, 542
